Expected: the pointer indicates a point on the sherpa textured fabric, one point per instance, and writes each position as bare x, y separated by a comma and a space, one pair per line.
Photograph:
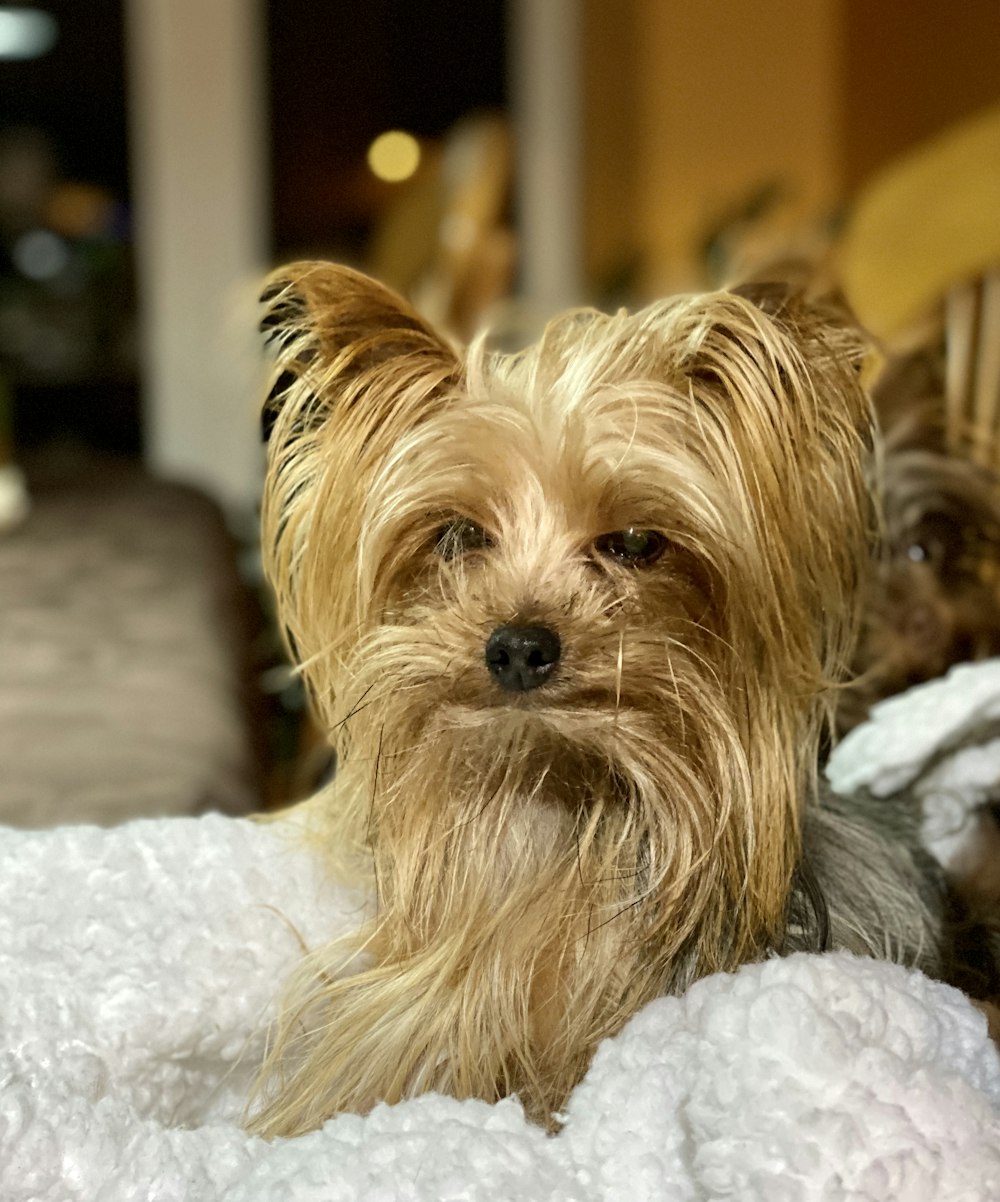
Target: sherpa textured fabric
138, 966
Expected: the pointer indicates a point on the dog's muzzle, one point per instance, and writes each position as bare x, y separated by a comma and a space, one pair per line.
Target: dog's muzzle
520, 658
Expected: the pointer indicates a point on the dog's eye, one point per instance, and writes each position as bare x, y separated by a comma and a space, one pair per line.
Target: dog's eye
631, 545
939, 542
461, 536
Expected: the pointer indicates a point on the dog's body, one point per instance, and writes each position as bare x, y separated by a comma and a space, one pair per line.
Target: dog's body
574, 620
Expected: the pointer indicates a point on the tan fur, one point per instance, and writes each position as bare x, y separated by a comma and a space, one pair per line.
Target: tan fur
546, 862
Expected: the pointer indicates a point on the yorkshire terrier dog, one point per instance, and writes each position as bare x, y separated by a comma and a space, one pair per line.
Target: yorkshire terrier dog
933, 595
574, 620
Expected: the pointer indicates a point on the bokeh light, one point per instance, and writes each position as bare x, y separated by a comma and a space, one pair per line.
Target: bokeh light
394, 156
26, 32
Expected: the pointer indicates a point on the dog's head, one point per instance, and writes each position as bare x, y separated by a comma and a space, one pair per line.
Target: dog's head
623, 563
933, 597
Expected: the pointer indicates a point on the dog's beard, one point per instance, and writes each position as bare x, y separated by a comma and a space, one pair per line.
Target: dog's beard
541, 871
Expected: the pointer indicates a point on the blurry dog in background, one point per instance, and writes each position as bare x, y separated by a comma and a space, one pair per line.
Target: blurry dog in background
575, 621
933, 598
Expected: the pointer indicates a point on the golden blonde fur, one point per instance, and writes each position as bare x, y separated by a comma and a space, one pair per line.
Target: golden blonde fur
545, 862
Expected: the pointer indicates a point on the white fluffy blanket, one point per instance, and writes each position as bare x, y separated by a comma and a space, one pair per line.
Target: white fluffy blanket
138, 965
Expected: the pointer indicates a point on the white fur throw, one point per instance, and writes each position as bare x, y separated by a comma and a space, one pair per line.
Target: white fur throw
138, 966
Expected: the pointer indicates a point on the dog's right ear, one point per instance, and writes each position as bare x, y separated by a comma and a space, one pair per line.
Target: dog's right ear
336, 337
354, 368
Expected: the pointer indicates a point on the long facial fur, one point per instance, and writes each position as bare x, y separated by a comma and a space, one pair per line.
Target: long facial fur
545, 864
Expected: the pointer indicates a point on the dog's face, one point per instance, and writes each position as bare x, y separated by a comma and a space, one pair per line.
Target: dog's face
570, 617
934, 596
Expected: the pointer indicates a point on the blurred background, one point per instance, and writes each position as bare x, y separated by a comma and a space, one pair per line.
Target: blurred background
497, 161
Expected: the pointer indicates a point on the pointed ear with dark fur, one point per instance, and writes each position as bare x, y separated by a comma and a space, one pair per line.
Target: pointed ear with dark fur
331, 331
805, 315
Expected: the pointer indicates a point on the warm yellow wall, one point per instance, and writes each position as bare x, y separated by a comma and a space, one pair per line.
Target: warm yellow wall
692, 104
610, 85
911, 70
732, 94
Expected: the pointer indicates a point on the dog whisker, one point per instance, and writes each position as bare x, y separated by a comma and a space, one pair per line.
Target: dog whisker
358, 706
632, 905
371, 813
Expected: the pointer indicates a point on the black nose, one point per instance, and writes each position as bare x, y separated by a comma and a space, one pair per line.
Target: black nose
522, 657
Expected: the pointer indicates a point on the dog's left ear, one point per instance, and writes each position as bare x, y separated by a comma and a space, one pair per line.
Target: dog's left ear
334, 335
806, 316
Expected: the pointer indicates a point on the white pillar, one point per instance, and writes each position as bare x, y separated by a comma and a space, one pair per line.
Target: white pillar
544, 48
199, 187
